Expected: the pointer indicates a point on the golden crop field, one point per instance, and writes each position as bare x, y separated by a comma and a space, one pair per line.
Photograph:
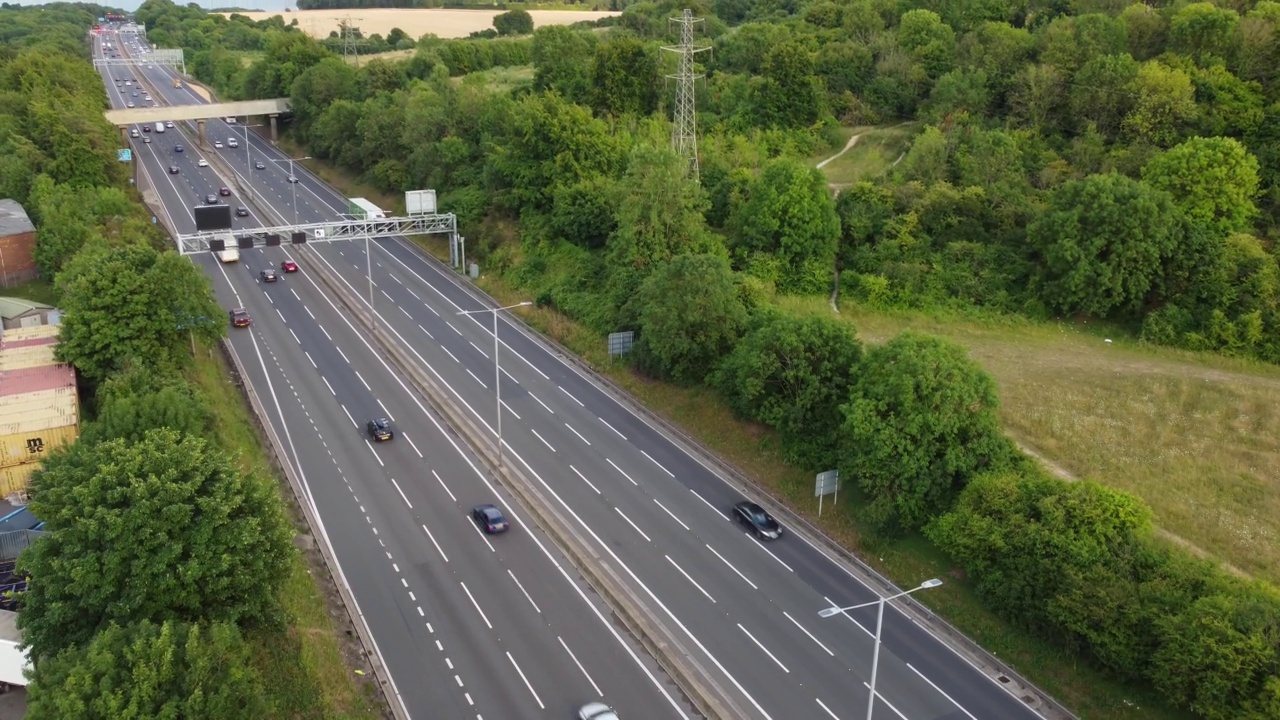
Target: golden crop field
442, 23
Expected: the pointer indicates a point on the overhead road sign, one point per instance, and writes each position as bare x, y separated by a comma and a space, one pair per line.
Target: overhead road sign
330, 231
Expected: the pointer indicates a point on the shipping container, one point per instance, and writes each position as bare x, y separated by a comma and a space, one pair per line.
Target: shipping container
15, 478
20, 413
29, 333
48, 377
27, 357
31, 446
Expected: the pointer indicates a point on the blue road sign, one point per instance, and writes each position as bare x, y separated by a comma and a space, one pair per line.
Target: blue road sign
124, 155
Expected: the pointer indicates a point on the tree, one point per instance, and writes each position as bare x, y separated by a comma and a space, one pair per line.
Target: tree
690, 315
929, 41
1205, 33
169, 670
624, 78
793, 374
920, 422
134, 402
1102, 244
513, 22
788, 94
1217, 654
959, 91
999, 50
131, 304
1164, 105
287, 55
551, 142
1146, 29
788, 218
1068, 42
1100, 94
561, 58
321, 85
1026, 539
1212, 180
166, 528
69, 218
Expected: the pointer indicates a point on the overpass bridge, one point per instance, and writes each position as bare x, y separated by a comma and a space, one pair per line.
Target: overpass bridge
169, 58
271, 107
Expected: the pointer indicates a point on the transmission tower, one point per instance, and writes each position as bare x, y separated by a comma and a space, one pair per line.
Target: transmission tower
349, 39
684, 127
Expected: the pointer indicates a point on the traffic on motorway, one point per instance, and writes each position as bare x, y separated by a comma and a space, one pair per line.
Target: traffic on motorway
452, 601
486, 629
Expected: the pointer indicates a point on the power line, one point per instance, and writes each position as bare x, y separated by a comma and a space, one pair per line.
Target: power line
684, 127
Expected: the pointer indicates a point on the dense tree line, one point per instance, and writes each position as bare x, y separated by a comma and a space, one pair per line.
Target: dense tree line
1100, 160
158, 548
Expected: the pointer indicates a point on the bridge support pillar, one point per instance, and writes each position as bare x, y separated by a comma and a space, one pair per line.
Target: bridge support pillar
274, 136
200, 132
124, 136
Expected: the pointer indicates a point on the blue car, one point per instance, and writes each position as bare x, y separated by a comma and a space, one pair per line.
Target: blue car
490, 519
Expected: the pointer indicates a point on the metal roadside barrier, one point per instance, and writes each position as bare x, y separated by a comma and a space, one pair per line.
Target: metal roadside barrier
670, 651
275, 451
1000, 673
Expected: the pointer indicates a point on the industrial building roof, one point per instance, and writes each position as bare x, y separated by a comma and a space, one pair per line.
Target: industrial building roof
12, 307
13, 218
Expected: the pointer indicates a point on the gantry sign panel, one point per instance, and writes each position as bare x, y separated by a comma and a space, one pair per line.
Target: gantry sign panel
327, 231
170, 58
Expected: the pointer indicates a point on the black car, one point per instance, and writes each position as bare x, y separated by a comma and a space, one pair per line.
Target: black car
210, 199
242, 211
268, 275
380, 429
173, 170
490, 519
760, 522
177, 148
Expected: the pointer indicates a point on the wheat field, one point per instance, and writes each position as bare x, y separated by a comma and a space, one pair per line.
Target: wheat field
438, 22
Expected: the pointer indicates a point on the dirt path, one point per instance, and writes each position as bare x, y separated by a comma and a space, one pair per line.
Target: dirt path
847, 146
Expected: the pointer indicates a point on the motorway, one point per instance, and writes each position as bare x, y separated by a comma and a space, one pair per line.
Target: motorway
468, 626
657, 511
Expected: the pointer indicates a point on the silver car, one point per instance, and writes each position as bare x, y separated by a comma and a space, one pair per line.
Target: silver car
597, 711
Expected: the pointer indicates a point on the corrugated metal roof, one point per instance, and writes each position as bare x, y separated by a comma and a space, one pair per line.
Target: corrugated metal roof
12, 307
45, 377
13, 218
27, 357
28, 333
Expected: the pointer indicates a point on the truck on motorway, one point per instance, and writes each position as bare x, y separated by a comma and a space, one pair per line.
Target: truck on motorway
230, 252
159, 127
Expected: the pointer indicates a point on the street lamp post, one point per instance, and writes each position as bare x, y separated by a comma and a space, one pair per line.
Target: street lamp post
497, 369
292, 185
875, 655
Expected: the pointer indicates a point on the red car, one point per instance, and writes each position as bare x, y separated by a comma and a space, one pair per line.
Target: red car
289, 266
224, 191
240, 317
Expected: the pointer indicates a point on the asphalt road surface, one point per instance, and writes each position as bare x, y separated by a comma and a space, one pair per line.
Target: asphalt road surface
662, 515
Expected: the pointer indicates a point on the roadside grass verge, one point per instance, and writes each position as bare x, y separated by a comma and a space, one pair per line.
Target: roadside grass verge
877, 149
302, 665
754, 450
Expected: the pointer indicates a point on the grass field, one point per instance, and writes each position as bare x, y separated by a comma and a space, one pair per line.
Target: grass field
1197, 436
875, 150
500, 79
417, 22
306, 673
